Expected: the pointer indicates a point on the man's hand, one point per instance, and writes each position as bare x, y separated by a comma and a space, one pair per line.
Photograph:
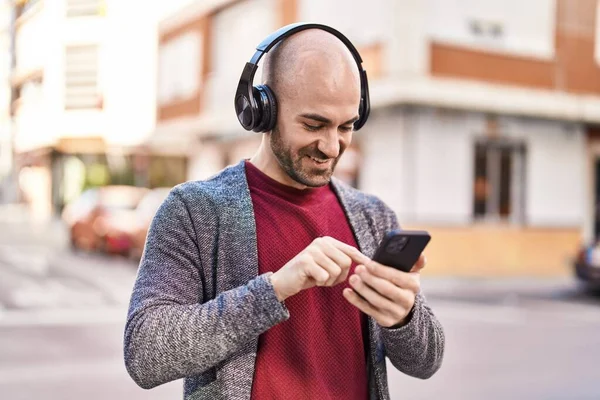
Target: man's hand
325, 262
386, 294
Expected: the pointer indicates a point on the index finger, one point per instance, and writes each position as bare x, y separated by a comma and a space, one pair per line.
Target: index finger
351, 252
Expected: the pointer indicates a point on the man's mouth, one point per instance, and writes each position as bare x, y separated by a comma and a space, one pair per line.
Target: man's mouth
319, 161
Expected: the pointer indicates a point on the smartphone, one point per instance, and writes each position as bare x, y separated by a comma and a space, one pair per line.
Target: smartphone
401, 249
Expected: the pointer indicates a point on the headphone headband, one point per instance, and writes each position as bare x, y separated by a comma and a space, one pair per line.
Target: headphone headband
279, 35
246, 107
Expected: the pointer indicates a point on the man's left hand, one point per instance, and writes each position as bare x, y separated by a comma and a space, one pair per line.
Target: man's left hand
386, 294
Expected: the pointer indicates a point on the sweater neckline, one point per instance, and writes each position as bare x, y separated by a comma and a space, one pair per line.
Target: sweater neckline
258, 179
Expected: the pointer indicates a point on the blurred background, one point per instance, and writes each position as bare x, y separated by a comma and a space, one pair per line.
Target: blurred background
484, 130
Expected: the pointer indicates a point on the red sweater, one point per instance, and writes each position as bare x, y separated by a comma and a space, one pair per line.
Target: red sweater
318, 353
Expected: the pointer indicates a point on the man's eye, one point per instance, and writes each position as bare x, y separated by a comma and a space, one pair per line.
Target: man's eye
312, 128
346, 128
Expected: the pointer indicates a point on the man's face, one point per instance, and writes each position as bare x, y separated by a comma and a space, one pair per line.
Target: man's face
314, 127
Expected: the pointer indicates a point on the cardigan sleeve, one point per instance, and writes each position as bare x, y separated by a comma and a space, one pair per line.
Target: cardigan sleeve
171, 331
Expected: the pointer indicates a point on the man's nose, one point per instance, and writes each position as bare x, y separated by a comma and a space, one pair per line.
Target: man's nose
330, 145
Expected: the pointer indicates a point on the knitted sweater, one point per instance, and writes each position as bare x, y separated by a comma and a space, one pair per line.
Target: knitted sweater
318, 353
199, 305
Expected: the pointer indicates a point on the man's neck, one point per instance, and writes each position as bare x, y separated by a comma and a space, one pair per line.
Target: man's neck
269, 166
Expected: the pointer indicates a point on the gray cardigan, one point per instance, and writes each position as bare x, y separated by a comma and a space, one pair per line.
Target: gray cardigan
198, 304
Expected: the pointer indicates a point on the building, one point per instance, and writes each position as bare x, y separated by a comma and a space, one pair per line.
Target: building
83, 98
484, 123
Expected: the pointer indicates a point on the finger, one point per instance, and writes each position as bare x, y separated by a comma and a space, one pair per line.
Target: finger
399, 278
361, 303
351, 252
318, 274
382, 286
420, 264
382, 319
337, 255
375, 299
343, 261
334, 270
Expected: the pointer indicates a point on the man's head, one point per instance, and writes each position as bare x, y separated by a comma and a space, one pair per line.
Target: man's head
317, 84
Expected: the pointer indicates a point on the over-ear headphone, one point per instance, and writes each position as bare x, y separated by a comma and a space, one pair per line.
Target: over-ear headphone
256, 106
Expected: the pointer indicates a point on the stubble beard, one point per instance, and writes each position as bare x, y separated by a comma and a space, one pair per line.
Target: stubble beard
293, 164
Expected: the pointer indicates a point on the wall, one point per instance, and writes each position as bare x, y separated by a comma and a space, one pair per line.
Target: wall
32, 48
488, 250
433, 152
420, 162
443, 172
408, 47
126, 36
241, 27
597, 36
528, 27
543, 44
130, 51
361, 21
383, 169
555, 174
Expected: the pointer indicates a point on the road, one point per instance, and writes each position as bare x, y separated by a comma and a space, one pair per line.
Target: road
533, 342
61, 321
62, 317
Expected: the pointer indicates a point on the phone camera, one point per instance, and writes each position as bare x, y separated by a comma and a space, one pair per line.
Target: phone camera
396, 245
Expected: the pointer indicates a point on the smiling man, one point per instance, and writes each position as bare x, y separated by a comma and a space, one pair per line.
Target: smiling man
256, 284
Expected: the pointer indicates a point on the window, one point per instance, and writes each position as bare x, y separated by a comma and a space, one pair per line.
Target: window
179, 80
499, 181
81, 77
486, 29
81, 8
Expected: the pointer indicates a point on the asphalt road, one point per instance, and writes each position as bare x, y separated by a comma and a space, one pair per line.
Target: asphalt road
62, 316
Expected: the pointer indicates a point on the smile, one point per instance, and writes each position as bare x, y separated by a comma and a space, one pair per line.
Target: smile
318, 161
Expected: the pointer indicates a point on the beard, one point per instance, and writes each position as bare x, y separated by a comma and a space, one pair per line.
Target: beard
294, 164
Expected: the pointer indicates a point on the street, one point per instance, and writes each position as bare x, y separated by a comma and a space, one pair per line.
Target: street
62, 317
507, 343
61, 320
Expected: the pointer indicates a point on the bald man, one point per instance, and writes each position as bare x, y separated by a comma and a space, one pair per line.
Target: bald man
252, 284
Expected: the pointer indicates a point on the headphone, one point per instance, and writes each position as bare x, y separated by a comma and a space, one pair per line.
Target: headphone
256, 106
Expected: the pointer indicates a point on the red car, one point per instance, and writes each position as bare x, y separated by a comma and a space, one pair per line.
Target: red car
104, 218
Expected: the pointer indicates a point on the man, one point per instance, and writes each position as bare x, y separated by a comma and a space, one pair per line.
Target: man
252, 285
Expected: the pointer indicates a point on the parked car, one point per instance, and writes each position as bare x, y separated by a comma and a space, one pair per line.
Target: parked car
587, 265
145, 212
103, 219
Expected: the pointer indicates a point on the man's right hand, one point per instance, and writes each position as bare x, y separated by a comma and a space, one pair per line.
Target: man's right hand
325, 262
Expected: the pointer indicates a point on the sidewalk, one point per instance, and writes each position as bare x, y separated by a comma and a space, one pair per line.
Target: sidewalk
17, 227
499, 289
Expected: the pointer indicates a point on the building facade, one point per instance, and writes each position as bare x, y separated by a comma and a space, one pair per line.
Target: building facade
83, 85
484, 123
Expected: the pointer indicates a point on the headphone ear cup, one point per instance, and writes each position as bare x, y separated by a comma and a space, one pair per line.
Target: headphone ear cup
361, 108
267, 102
